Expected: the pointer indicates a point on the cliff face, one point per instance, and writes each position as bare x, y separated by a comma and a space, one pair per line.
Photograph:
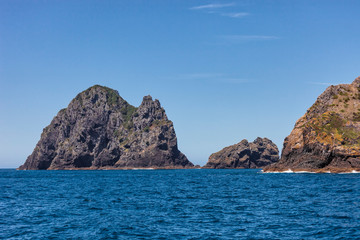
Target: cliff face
99, 129
257, 154
327, 137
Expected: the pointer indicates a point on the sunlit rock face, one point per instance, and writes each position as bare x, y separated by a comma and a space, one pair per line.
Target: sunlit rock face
327, 137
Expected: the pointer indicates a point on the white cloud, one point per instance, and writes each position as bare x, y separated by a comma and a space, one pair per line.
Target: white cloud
212, 6
236, 15
215, 8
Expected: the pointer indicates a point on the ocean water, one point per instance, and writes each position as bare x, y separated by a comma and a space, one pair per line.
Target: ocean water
178, 204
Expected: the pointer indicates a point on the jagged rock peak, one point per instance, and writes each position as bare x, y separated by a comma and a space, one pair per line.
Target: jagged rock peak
147, 99
149, 103
97, 92
356, 81
262, 141
257, 154
327, 137
99, 129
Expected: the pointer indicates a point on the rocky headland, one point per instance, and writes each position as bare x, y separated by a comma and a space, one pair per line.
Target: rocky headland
100, 130
244, 154
327, 137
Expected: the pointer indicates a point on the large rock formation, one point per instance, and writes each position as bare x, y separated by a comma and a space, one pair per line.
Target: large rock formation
99, 129
257, 154
327, 137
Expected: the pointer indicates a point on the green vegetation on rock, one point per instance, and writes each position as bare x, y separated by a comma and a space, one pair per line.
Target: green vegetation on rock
331, 128
127, 111
356, 116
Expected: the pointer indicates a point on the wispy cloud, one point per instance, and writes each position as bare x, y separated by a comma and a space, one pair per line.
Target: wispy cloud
217, 8
236, 15
212, 6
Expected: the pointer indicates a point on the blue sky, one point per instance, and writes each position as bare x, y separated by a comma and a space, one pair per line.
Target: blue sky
223, 70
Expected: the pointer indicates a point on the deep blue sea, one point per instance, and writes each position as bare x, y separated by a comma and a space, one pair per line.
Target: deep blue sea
178, 204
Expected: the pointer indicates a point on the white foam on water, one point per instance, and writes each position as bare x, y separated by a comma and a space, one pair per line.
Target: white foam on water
287, 171
291, 171
262, 171
353, 171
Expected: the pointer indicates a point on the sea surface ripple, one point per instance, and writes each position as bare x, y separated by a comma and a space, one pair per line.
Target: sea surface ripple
178, 204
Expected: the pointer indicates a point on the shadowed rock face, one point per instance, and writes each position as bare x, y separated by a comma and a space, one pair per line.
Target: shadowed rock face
257, 154
327, 137
99, 129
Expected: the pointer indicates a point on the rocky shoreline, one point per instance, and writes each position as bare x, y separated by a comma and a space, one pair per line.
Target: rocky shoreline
331, 170
117, 168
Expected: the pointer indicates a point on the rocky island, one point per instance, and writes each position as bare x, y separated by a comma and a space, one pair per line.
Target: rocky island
100, 130
327, 137
244, 154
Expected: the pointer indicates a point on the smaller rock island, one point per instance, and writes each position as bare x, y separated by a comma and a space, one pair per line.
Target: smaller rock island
257, 154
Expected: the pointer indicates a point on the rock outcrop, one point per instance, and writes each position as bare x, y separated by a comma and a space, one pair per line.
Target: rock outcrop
100, 130
327, 137
257, 154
